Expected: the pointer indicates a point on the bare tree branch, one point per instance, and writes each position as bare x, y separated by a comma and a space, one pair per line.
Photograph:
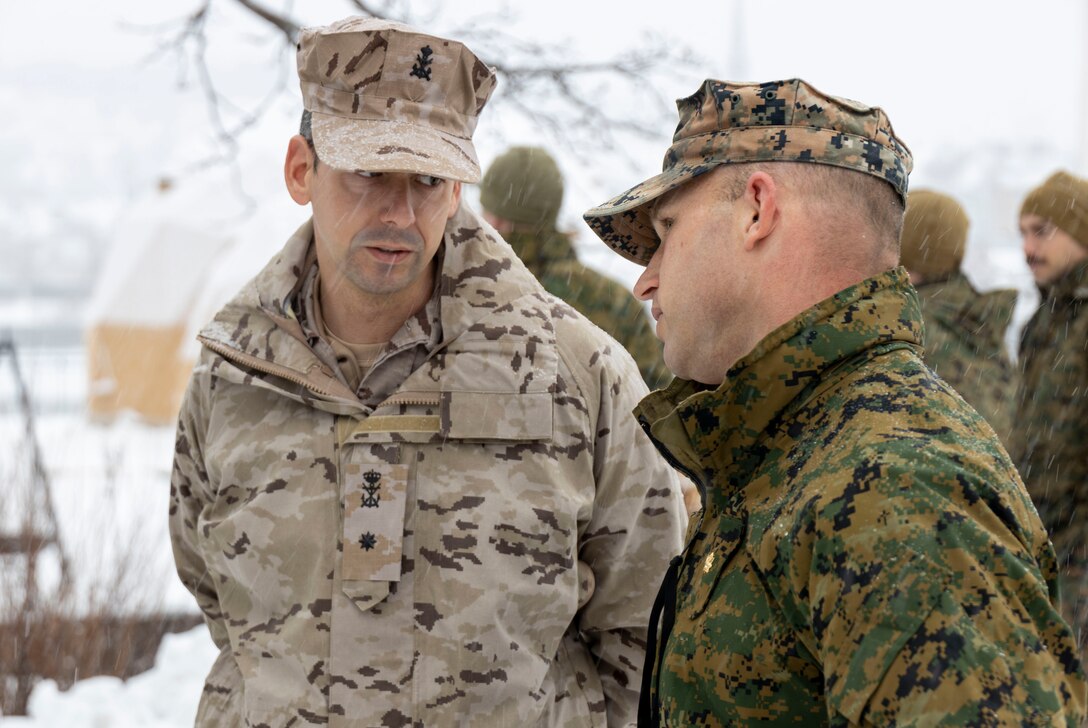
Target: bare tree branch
566, 99
288, 27
367, 10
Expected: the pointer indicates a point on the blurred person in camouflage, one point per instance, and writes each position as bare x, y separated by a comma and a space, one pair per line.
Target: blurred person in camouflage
964, 331
1051, 437
867, 554
521, 194
407, 488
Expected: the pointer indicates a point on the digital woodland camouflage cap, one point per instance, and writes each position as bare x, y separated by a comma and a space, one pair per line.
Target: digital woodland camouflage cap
388, 98
934, 234
777, 121
1062, 199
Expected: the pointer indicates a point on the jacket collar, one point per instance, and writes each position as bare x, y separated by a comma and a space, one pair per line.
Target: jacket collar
1073, 286
980, 319
723, 434
541, 250
478, 271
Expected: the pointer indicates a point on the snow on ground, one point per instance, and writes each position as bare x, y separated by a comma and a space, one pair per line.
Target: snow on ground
163, 697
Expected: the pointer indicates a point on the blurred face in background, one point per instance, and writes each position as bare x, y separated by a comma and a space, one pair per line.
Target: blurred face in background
1050, 251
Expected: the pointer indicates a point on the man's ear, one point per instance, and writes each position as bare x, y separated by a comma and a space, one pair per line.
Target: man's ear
298, 169
455, 200
760, 210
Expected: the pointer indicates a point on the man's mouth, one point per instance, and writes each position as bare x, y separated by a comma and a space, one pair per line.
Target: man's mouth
655, 312
388, 255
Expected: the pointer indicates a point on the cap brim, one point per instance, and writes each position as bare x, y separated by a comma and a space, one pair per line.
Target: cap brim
624, 224
393, 146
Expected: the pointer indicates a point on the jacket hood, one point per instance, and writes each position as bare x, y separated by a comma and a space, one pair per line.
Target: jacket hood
726, 429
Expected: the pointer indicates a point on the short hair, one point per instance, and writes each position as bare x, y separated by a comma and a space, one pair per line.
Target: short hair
839, 191
306, 131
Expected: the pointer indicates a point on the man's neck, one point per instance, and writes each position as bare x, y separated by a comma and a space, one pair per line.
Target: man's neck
359, 317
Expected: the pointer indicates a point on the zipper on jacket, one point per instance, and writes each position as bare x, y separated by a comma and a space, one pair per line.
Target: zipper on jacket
418, 400
262, 366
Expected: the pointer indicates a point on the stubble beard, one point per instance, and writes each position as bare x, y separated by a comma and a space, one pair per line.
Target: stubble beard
374, 278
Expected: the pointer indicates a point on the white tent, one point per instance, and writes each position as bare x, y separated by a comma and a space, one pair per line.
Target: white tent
139, 313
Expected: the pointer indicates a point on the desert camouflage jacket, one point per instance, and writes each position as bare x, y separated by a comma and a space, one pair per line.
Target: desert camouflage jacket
867, 554
964, 343
472, 538
551, 258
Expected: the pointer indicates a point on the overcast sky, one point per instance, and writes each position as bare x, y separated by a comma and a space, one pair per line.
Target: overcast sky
97, 110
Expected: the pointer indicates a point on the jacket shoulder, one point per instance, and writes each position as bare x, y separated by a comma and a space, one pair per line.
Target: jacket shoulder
587, 350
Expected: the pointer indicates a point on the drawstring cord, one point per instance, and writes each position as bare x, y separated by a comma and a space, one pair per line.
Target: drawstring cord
664, 610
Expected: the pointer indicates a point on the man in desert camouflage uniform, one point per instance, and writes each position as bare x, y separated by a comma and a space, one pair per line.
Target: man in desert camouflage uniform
964, 338
407, 488
521, 194
867, 553
1051, 435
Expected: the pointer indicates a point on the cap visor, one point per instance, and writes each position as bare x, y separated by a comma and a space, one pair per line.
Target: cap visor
623, 222
393, 146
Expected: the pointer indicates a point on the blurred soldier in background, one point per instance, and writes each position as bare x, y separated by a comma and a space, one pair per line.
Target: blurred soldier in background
964, 338
407, 487
867, 554
521, 193
1051, 434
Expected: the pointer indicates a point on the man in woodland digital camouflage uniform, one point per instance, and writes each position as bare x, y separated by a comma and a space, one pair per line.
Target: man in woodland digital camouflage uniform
407, 489
867, 553
521, 194
1051, 434
964, 338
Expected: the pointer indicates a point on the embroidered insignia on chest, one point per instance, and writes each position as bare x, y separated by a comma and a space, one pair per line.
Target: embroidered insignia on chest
422, 67
368, 541
373, 485
709, 563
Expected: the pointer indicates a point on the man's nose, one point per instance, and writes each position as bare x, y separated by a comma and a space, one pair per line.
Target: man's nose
397, 206
646, 285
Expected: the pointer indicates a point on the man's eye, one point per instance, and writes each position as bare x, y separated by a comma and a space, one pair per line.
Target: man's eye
429, 180
367, 175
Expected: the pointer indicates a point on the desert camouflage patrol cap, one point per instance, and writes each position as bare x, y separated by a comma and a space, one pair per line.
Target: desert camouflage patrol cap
778, 121
386, 97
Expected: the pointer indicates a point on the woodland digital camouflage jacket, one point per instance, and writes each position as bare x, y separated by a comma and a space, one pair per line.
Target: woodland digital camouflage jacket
550, 257
472, 539
1051, 435
867, 554
965, 344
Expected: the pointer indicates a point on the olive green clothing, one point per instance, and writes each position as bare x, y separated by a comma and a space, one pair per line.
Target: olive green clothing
965, 344
550, 257
1051, 437
867, 553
